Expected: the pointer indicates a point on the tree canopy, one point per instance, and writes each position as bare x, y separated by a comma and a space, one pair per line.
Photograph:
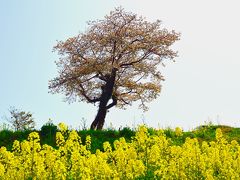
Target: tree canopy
116, 59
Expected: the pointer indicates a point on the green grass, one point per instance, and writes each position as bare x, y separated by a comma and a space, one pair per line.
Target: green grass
48, 135
98, 137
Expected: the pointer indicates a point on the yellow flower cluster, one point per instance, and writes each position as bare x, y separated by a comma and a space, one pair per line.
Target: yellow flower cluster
145, 157
178, 131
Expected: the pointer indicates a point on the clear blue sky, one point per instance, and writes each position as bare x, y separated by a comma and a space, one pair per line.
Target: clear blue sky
202, 85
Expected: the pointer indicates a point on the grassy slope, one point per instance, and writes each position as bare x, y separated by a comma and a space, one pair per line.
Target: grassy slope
47, 134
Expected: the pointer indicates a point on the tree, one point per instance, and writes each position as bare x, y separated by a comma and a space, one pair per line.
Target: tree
114, 63
21, 120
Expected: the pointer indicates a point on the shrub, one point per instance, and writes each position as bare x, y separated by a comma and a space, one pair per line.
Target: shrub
48, 133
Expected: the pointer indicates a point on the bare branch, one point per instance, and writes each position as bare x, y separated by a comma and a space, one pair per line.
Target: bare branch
94, 100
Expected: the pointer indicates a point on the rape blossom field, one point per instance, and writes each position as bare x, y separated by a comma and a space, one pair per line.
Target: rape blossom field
145, 157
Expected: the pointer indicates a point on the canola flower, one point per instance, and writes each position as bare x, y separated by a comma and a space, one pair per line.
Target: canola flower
145, 157
178, 131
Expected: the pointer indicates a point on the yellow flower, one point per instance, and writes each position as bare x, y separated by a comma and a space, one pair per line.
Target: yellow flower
60, 141
88, 142
146, 156
2, 170
63, 127
16, 146
107, 147
178, 131
219, 134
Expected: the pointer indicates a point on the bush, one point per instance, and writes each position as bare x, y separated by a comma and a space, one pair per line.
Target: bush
127, 133
5, 138
48, 134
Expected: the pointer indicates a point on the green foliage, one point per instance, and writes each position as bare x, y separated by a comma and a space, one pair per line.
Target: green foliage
98, 137
207, 132
7, 137
126, 132
48, 134
169, 133
234, 134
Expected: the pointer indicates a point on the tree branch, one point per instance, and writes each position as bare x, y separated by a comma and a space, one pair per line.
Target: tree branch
113, 53
137, 61
124, 101
113, 103
88, 78
94, 100
122, 52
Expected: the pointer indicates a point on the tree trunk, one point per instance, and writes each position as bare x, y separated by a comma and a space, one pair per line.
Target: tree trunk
99, 119
102, 111
107, 94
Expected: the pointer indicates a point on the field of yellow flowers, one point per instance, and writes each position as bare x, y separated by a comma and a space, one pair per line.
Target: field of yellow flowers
145, 157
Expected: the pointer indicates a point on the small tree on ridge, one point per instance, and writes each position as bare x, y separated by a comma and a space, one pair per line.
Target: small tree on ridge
21, 120
114, 63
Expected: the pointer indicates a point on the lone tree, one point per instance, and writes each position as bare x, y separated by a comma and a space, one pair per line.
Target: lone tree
21, 120
114, 63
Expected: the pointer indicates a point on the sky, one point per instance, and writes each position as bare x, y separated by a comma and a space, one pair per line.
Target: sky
202, 86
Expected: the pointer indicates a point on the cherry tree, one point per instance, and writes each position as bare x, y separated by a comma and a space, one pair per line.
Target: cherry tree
115, 62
